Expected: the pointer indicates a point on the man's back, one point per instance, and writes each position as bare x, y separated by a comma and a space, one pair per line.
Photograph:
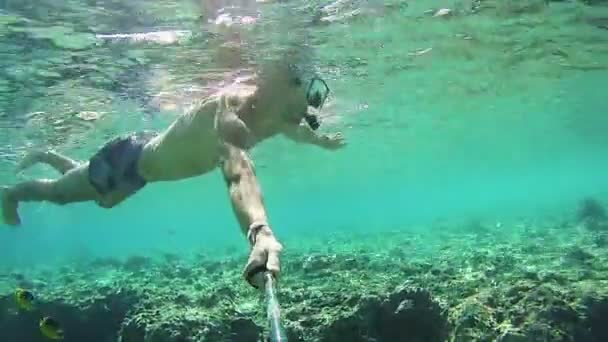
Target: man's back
190, 146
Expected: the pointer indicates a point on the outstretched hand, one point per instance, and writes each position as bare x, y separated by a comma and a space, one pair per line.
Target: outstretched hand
264, 256
334, 141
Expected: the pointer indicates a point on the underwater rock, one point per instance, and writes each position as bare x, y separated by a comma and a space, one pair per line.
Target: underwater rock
136, 263
590, 208
592, 215
187, 326
244, 330
171, 270
98, 321
318, 263
600, 239
543, 312
579, 256
157, 326
594, 2
409, 314
601, 23
105, 262
512, 335
131, 331
18, 276
594, 327
472, 320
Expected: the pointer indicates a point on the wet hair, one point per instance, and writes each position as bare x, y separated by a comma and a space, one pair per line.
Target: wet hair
294, 61
295, 76
272, 71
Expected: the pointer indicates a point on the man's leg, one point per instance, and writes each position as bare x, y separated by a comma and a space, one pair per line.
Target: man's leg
60, 163
72, 187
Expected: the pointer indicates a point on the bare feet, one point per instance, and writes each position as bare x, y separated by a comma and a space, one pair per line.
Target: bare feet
30, 159
9, 208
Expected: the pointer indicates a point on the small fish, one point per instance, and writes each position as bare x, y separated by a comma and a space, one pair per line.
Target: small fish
51, 328
25, 299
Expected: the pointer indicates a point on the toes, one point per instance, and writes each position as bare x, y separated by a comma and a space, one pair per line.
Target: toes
28, 160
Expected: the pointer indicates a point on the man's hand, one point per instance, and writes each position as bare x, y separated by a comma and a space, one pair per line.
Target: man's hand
334, 141
304, 134
264, 257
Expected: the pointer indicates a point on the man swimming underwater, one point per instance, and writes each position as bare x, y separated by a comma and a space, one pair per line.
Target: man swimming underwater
217, 132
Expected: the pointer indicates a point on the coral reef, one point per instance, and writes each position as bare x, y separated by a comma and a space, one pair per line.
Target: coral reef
515, 282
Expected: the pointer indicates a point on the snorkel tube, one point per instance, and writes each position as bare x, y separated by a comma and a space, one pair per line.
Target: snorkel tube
277, 333
312, 121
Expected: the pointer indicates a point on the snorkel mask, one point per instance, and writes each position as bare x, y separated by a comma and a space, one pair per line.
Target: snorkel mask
315, 97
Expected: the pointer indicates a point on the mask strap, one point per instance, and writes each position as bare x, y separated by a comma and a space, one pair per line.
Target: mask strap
320, 80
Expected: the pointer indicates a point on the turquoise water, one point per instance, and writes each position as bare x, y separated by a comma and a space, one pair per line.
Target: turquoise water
451, 215
504, 118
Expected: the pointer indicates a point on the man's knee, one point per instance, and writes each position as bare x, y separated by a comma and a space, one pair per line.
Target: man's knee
111, 200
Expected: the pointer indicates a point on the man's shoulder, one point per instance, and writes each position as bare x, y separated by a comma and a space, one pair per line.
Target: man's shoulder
237, 92
229, 97
205, 106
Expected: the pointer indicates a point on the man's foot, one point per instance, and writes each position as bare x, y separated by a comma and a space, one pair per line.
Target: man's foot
9, 208
30, 159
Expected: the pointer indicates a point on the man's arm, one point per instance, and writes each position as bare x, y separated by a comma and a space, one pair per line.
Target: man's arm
248, 206
245, 193
302, 133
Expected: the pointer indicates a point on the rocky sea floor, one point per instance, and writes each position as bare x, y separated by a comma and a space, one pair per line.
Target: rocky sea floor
520, 281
